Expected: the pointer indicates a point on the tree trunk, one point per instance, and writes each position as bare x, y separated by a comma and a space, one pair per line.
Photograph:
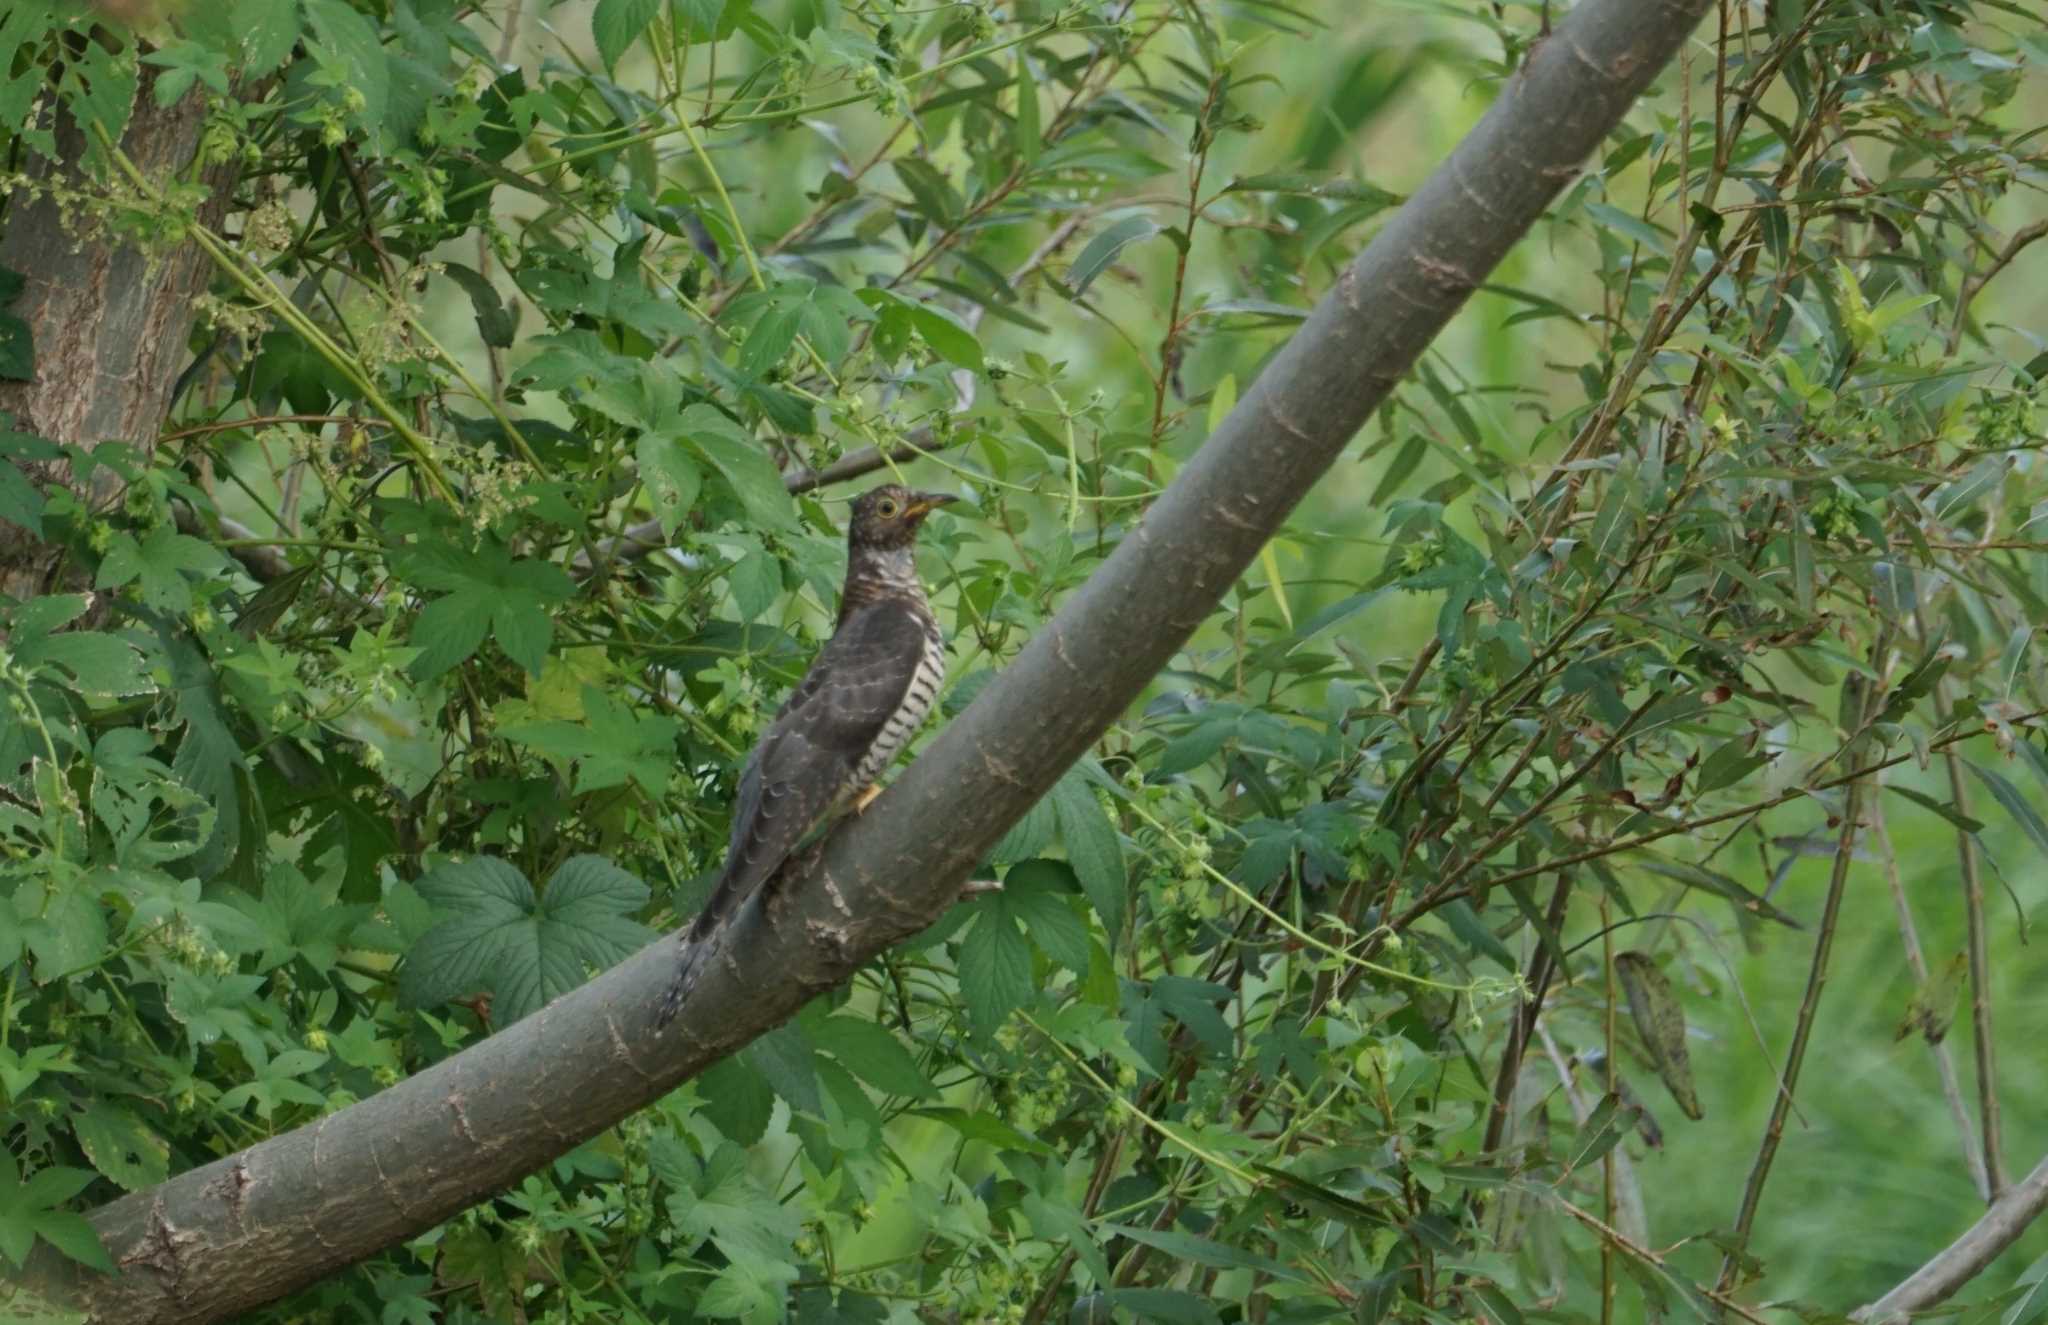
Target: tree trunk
109, 319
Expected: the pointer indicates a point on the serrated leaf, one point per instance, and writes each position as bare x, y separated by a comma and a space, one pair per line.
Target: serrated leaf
521, 949
353, 40
672, 478
617, 24
75, 1236
756, 582
1094, 849
743, 465
1035, 892
874, 1055
1660, 1020
448, 631
269, 29
737, 1100
995, 966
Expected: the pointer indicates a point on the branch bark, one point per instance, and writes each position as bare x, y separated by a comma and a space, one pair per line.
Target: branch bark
1965, 1258
253, 1226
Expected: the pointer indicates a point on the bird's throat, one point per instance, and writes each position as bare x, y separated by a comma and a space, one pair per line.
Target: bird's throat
873, 574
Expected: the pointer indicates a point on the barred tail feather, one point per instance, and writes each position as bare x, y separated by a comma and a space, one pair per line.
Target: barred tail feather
699, 941
696, 947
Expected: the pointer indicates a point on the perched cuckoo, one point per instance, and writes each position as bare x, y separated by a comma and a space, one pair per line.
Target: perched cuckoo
854, 711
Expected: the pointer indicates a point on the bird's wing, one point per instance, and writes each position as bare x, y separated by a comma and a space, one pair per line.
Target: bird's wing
814, 745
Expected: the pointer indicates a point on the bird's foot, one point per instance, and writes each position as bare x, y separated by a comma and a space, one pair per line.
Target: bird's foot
866, 797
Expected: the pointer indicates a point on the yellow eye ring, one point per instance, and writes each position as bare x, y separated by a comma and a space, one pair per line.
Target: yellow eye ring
887, 510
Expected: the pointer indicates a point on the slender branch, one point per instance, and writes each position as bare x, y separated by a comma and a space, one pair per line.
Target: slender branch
1524, 1023
1974, 284
1802, 1032
1944, 1063
1995, 1177
1965, 1258
1630, 1215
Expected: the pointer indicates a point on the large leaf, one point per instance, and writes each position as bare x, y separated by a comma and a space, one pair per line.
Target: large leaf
520, 948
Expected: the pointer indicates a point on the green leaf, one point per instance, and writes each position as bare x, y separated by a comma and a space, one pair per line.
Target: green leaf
17, 349
448, 631
985, 1127
737, 1100
744, 466
1029, 135
1946, 811
756, 582
873, 1054
2013, 803
1202, 1251
158, 565
1035, 892
1165, 1304
1093, 847
995, 965
352, 40
1603, 1129
947, 335
614, 744
1103, 249
75, 1236
522, 949
268, 29
2032, 1302
617, 24
671, 476
1660, 1020
495, 323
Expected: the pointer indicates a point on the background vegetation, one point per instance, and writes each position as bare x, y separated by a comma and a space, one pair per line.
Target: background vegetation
398, 680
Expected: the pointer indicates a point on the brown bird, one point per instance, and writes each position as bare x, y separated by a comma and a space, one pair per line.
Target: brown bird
867, 693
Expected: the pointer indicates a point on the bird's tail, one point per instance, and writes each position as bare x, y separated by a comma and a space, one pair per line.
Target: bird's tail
696, 947
699, 941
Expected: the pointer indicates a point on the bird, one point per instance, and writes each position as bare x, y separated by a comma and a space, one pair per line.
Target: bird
866, 694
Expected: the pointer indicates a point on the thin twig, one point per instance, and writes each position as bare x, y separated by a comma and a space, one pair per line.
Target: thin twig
1802, 1032
1524, 1022
1944, 1063
1630, 1215
1980, 972
1974, 285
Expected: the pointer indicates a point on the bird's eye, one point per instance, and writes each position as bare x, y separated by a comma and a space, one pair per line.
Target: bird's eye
887, 510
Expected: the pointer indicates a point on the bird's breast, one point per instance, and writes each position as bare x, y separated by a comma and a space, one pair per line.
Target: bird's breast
910, 714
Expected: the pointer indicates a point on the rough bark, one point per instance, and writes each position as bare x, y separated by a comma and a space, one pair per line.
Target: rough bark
109, 320
251, 1227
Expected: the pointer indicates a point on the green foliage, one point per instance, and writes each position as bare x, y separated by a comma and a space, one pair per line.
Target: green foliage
489, 530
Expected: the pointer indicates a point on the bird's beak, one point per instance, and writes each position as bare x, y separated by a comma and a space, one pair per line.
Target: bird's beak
923, 503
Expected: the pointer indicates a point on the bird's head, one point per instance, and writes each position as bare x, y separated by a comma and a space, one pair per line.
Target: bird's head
887, 517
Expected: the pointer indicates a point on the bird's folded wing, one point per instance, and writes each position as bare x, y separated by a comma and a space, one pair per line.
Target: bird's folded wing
816, 742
